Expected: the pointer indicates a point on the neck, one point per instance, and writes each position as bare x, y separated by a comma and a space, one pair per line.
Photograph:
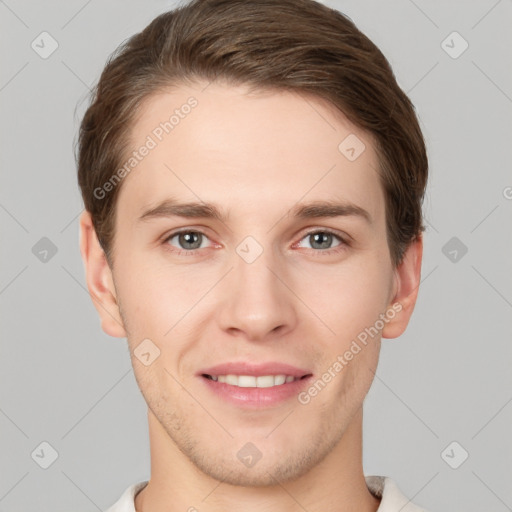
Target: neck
335, 484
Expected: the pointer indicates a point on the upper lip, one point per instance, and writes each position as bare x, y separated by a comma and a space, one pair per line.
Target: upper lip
257, 370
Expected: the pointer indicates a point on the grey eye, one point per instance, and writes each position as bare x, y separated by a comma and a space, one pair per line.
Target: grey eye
188, 240
321, 240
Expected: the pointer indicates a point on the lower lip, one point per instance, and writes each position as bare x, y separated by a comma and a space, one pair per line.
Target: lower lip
256, 398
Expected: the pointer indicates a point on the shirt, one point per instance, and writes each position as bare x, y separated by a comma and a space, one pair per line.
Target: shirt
392, 499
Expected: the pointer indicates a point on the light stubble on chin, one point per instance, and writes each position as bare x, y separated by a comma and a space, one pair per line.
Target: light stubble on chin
215, 454
271, 469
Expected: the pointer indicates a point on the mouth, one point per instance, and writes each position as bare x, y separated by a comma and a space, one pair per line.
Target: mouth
254, 386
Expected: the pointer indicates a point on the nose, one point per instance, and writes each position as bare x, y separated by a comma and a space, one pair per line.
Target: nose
257, 302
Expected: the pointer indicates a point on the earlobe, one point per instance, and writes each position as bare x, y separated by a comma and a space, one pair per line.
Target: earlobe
99, 279
407, 282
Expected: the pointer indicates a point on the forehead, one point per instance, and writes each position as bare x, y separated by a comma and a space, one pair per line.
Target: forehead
261, 152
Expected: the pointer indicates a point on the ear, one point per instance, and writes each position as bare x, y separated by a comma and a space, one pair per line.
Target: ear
405, 289
99, 279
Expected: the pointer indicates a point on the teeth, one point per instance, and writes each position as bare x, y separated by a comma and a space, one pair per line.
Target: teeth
280, 379
232, 379
250, 381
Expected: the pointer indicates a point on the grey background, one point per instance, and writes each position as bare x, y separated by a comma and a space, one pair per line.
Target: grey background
448, 378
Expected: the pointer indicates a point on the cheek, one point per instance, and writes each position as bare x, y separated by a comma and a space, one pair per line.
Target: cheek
348, 297
162, 303
147, 290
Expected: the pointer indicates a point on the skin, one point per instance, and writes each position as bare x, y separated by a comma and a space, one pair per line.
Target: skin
255, 155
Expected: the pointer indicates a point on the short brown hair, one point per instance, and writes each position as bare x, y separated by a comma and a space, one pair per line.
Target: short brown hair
294, 45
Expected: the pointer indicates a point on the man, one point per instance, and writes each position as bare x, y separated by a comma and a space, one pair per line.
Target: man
253, 178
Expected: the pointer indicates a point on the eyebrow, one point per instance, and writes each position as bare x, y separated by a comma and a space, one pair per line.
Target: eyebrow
312, 210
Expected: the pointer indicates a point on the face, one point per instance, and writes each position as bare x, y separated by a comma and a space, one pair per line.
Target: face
275, 272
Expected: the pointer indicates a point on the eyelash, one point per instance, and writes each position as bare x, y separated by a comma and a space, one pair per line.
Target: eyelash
342, 246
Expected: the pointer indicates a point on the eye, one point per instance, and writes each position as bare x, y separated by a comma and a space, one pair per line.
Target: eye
322, 240
187, 241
